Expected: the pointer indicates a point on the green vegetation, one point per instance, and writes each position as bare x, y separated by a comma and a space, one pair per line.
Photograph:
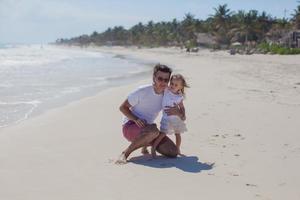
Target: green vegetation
220, 30
278, 49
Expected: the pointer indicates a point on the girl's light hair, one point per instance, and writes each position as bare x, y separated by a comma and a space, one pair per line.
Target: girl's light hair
183, 81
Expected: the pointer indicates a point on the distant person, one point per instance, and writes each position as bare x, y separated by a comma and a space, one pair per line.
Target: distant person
172, 124
141, 108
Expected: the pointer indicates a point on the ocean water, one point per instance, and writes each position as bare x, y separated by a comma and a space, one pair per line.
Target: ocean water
35, 78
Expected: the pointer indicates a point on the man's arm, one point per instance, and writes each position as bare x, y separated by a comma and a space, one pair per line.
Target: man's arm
125, 109
176, 110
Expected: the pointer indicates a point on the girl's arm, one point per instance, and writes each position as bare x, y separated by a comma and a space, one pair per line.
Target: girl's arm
182, 109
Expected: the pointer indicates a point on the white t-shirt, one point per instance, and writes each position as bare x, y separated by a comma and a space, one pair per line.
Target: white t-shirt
169, 99
146, 104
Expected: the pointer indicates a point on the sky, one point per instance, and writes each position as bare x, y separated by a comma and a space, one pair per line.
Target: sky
43, 21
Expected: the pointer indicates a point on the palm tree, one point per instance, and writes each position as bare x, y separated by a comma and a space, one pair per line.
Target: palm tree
250, 26
279, 28
161, 33
222, 16
265, 23
174, 35
296, 17
236, 32
149, 29
119, 35
221, 23
225, 25
94, 36
187, 29
136, 32
246, 26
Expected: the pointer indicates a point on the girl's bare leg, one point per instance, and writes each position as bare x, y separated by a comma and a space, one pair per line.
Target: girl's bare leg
178, 142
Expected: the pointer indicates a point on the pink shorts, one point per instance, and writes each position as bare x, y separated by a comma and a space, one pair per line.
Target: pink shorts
131, 131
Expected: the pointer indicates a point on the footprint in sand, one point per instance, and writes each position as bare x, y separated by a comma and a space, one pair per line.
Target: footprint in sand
282, 184
251, 185
233, 174
240, 136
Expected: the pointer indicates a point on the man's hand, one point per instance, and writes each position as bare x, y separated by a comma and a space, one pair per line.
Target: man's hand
173, 110
153, 152
141, 123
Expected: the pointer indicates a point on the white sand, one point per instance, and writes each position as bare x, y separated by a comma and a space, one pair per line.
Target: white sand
243, 115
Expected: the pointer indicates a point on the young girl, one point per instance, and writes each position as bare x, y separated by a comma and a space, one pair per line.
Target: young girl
173, 124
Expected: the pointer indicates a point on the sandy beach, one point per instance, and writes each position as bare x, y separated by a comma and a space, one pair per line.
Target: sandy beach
243, 138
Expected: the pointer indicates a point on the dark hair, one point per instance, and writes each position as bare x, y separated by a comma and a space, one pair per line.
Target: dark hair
184, 83
162, 68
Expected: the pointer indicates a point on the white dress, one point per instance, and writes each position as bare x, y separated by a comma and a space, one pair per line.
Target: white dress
171, 124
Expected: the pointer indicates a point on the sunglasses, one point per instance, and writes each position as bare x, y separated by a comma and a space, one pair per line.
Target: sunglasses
160, 79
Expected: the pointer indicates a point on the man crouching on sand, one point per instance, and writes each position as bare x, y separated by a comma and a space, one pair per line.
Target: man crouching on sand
141, 109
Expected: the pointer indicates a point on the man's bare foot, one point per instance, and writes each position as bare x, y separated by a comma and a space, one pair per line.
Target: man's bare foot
145, 151
153, 153
121, 160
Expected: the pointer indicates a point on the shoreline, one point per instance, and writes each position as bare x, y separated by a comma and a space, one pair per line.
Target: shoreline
242, 115
117, 80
